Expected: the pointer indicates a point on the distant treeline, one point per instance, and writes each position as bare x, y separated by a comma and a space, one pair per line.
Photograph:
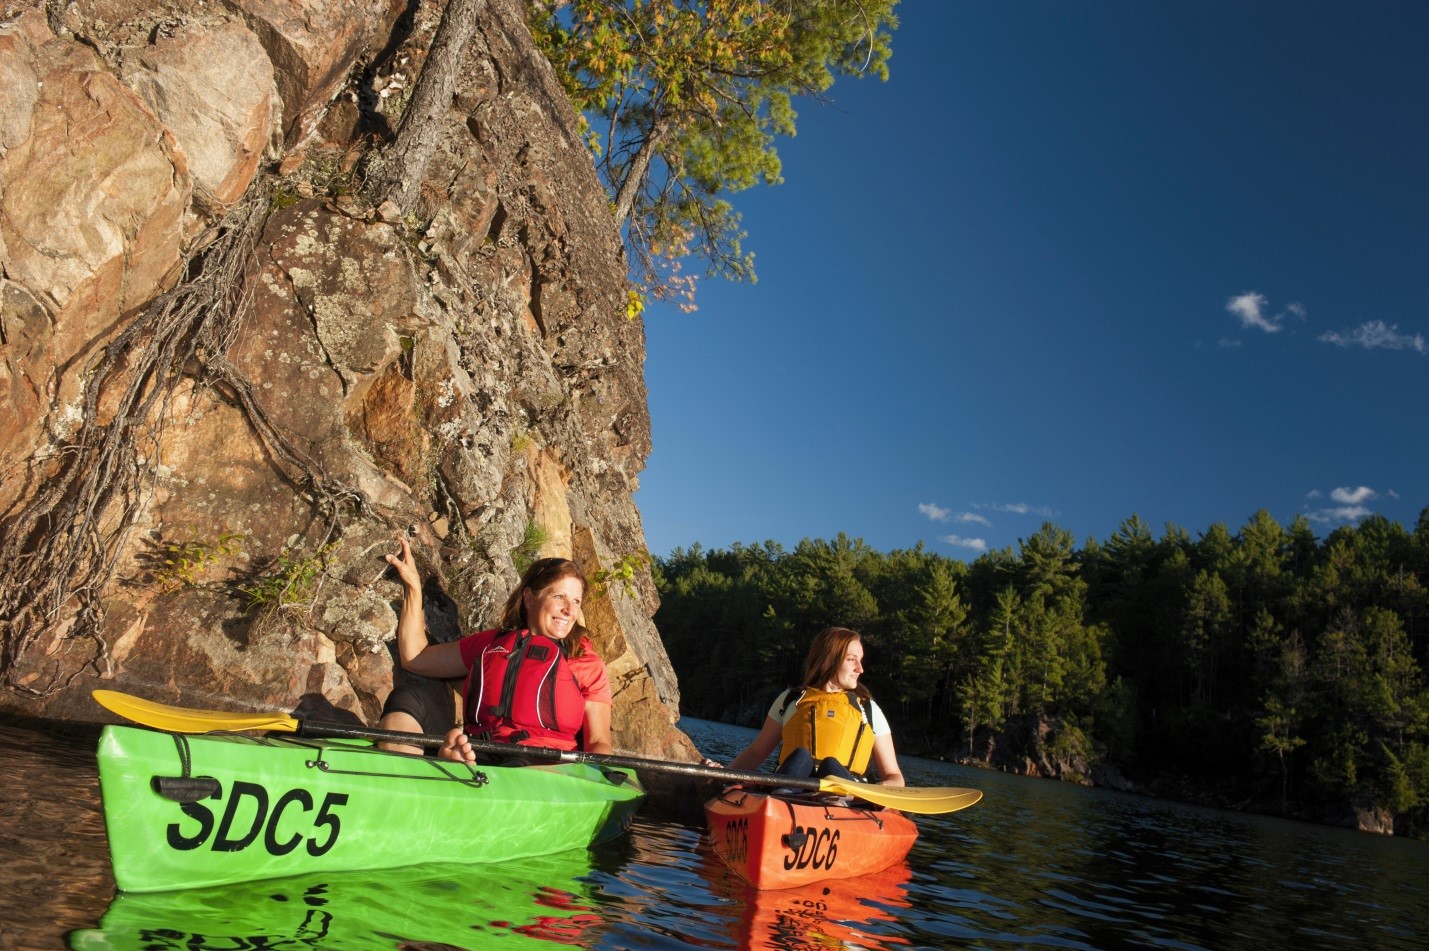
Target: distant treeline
1289, 668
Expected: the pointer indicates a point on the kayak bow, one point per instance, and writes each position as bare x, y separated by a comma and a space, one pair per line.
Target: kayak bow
778, 841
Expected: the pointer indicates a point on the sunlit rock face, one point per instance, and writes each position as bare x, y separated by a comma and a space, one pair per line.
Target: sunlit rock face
466, 375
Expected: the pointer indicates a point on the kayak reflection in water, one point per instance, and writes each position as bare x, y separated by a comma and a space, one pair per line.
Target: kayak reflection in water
830, 725
535, 681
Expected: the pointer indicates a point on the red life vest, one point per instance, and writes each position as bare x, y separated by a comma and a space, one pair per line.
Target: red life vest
521, 690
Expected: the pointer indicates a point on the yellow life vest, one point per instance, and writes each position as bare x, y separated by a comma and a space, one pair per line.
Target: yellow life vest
829, 724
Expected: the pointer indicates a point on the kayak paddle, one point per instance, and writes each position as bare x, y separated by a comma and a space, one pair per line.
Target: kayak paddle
928, 800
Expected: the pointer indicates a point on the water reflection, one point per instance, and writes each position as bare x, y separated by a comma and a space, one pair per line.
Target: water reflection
528, 903
1049, 864
54, 857
840, 913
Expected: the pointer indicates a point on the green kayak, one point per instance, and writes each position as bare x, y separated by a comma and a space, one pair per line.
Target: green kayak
192, 811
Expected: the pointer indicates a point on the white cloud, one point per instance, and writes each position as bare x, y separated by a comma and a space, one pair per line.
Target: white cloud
976, 544
1225, 343
1350, 505
1313, 494
934, 512
973, 517
1376, 334
1356, 496
1019, 508
1339, 515
1249, 308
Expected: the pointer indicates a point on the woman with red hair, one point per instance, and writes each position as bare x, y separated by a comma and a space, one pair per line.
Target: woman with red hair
830, 725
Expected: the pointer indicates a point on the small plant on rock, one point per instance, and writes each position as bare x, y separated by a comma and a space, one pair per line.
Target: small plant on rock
621, 574
524, 554
289, 581
184, 562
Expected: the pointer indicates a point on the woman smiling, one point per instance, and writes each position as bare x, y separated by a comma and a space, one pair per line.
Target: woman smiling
534, 681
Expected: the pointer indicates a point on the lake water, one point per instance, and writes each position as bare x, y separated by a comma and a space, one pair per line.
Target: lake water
1035, 864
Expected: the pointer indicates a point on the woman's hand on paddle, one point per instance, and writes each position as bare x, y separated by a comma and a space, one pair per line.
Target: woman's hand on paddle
708, 763
405, 565
457, 747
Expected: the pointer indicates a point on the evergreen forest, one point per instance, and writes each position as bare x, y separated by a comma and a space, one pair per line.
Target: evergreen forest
1284, 672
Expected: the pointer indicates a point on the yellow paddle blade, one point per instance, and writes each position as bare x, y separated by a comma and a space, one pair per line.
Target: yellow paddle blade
180, 720
930, 800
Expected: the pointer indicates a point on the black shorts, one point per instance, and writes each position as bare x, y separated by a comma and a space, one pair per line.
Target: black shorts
432, 703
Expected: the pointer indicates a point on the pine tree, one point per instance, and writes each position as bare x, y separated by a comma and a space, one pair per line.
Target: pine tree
1281, 720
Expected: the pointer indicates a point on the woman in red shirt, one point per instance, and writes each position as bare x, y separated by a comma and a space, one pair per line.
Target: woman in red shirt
535, 681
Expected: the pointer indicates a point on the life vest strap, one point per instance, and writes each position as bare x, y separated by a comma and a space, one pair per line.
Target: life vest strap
513, 670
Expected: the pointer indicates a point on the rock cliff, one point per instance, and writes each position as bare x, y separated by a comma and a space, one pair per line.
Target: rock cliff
229, 376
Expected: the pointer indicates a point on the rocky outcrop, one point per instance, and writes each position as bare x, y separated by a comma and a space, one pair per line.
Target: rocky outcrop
467, 375
1045, 747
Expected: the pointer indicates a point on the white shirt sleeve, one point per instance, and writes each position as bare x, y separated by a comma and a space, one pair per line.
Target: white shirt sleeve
880, 722
777, 711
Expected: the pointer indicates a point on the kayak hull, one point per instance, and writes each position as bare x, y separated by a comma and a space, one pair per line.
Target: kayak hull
774, 841
192, 811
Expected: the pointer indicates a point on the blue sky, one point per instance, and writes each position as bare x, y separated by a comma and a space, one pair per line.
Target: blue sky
1070, 263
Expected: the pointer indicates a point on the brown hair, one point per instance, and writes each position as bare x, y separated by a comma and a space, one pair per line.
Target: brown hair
573, 643
543, 573
827, 654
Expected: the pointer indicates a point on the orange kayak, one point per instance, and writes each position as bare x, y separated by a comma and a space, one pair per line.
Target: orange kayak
774, 841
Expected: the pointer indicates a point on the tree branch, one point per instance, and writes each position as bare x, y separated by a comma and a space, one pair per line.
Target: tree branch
404, 161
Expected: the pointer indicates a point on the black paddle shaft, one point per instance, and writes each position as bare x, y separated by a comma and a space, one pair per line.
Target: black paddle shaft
317, 728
